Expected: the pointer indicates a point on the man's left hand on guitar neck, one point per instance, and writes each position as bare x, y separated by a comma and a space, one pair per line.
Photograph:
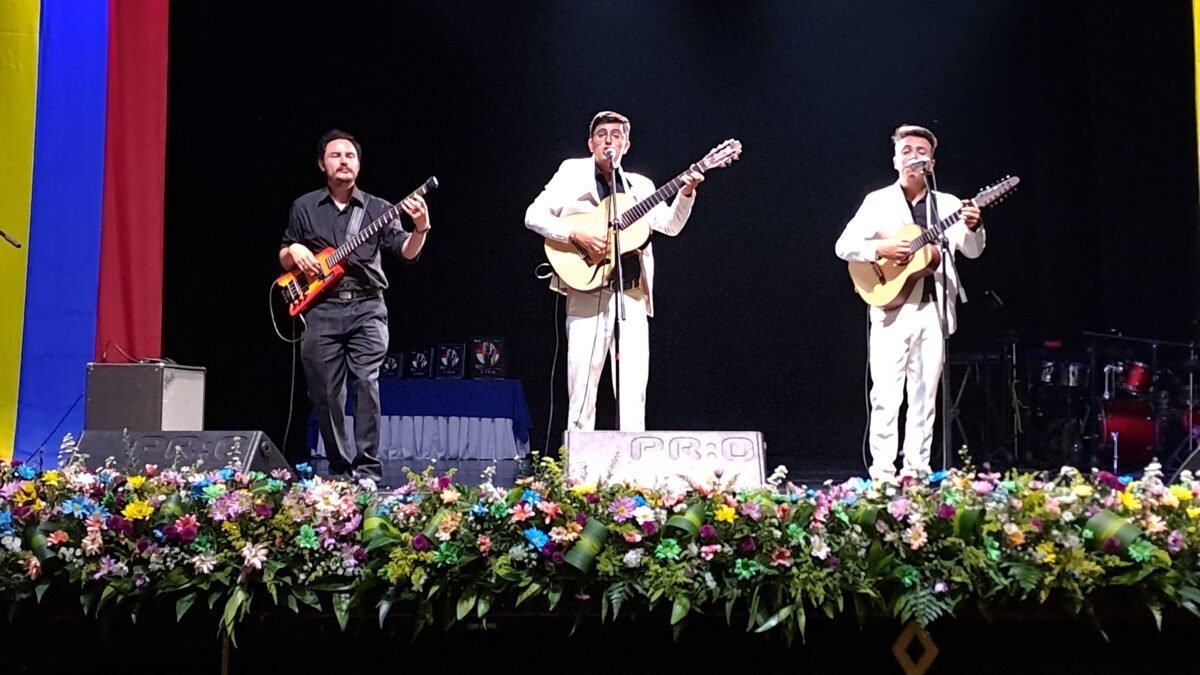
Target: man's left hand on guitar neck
690, 180
971, 215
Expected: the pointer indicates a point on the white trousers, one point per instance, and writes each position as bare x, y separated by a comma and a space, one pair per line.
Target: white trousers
590, 318
906, 355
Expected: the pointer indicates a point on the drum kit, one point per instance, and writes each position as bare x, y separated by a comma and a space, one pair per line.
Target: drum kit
1142, 407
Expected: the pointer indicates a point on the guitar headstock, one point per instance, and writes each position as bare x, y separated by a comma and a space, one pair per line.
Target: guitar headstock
996, 191
722, 155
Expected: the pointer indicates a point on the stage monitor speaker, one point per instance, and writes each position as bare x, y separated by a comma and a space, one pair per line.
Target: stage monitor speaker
149, 396
1191, 463
133, 450
666, 458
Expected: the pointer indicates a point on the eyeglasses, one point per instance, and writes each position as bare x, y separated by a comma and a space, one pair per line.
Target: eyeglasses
616, 135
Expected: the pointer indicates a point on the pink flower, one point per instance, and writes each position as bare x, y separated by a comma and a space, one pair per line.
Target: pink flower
58, 537
33, 567
550, 509
521, 512
254, 555
782, 557
708, 551
484, 543
632, 537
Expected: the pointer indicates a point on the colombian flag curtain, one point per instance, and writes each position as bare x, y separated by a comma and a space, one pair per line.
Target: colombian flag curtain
82, 160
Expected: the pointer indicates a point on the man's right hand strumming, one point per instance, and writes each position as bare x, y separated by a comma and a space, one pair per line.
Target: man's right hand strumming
595, 246
897, 251
304, 259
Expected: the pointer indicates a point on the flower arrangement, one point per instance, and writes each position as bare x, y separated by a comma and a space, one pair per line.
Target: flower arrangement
916, 549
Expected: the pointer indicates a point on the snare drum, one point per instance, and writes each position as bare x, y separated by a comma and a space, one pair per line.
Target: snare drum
1129, 425
1137, 377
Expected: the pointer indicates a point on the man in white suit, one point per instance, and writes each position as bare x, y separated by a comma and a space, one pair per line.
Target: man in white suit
906, 343
579, 186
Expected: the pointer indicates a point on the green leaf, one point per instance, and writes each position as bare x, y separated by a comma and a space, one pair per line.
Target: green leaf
533, 589
40, 590
105, 594
680, 609
779, 616
554, 595
385, 606
341, 609
183, 604
466, 603
484, 605
292, 604
1156, 610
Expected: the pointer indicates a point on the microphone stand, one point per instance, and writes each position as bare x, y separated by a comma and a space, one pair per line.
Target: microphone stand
931, 219
614, 223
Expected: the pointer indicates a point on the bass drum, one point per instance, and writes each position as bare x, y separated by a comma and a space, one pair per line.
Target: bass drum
1127, 427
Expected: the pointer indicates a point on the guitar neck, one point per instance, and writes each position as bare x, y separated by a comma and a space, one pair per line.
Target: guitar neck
933, 234
662, 194
376, 225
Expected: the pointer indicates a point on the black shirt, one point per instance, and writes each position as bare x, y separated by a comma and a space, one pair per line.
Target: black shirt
318, 223
920, 217
631, 265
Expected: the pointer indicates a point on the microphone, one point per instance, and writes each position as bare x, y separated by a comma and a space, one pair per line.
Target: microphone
611, 155
919, 163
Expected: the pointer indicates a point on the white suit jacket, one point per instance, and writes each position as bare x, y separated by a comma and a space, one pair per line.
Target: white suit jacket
882, 213
573, 190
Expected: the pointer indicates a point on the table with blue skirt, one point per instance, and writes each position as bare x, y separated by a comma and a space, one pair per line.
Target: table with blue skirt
433, 420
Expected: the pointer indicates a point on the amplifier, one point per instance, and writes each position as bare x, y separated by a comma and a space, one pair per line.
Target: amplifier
144, 397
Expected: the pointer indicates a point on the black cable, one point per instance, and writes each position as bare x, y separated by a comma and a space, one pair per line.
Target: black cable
39, 451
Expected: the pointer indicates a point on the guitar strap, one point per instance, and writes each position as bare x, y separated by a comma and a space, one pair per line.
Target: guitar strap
356, 219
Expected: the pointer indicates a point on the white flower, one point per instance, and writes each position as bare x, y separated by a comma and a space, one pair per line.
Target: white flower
633, 559
643, 514
203, 563
710, 581
10, 542
254, 555
819, 548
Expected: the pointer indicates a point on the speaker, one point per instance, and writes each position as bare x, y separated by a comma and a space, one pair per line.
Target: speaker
133, 450
144, 396
666, 458
1191, 463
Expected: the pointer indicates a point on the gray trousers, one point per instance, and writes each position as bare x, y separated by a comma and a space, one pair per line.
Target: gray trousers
346, 336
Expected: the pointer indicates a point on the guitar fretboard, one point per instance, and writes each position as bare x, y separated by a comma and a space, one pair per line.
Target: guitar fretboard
932, 234
640, 209
342, 252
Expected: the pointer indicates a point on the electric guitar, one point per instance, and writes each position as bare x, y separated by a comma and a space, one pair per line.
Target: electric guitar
299, 291
576, 267
887, 284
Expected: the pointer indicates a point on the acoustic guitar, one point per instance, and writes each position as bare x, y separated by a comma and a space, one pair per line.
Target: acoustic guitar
886, 283
576, 267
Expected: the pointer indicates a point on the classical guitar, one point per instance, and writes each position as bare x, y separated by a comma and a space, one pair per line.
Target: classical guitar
575, 266
299, 291
887, 284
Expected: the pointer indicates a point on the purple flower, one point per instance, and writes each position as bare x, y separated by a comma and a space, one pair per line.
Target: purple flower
622, 509
1175, 541
946, 511
1112, 545
941, 587
752, 510
593, 498
119, 524
707, 531
1107, 479
557, 558
421, 543
187, 534
444, 482
649, 527
142, 545
581, 518
262, 510
747, 544
1037, 524
832, 562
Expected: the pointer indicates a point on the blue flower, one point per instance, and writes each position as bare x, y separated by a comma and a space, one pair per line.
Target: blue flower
536, 537
1125, 480
937, 476
226, 473
96, 509
198, 486
25, 471
304, 469
530, 497
639, 500
5, 522
478, 510
76, 506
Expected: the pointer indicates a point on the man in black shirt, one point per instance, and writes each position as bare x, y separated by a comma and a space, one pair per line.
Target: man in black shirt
347, 327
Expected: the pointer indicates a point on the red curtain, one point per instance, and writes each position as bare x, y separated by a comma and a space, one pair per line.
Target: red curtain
131, 241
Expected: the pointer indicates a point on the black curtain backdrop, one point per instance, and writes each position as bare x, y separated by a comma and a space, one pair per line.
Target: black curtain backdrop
757, 327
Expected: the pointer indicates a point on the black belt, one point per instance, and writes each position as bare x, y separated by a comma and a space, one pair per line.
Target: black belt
357, 294
630, 283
